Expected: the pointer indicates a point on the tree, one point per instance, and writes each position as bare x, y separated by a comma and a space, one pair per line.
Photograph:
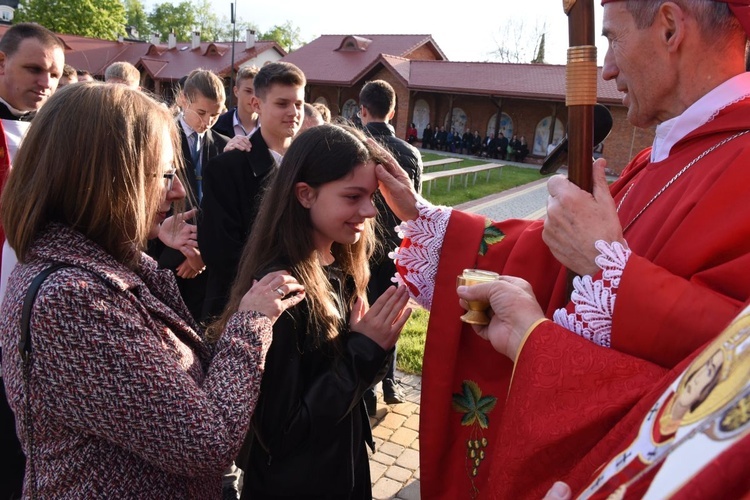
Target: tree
135, 15
286, 35
224, 33
93, 18
539, 58
517, 42
207, 21
166, 18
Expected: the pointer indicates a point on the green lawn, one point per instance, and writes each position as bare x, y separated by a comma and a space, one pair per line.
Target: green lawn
500, 180
411, 343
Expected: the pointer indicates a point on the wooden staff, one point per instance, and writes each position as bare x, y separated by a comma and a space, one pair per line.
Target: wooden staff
580, 96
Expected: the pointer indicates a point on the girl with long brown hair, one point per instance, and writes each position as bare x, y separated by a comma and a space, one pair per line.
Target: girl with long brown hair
308, 436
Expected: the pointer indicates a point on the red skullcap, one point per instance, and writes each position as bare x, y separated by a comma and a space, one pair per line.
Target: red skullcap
740, 9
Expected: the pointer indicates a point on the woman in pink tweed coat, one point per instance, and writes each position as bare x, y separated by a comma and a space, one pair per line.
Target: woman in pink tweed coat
125, 399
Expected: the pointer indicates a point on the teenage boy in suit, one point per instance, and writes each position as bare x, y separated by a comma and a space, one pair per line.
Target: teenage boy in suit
233, 181
201, 100
243, 119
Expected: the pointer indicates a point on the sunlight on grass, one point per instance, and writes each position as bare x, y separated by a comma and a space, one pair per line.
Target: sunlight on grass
411, 343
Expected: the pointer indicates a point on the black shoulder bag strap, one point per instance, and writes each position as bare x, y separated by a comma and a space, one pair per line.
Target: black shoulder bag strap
24, 349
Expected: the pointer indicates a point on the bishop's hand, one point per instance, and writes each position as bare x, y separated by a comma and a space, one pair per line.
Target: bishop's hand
513, 310
576, 220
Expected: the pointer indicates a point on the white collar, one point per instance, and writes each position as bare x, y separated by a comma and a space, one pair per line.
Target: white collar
236, 122
15, 112
702, 111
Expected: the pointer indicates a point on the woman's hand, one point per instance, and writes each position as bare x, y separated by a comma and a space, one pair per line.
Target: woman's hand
513, 309
273, 294
395, 185
385, 319
186, 271
177, 233
196, 262
238, 142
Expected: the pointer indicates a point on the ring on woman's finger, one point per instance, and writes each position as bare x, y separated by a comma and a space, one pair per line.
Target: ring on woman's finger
279, 291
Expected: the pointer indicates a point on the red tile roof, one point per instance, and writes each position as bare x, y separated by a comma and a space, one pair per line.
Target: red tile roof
159, 61
399, 66
343, 60
324, 62
537, 81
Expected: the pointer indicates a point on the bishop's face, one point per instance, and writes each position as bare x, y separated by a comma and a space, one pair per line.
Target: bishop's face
638, 61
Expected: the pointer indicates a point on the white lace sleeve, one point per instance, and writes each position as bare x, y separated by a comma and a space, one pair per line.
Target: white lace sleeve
420, 260
594, 301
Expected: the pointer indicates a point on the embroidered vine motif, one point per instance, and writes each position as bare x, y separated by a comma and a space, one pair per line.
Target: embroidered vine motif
474, 408
491, 236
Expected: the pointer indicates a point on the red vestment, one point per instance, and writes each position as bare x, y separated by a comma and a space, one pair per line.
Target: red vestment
556, 426
687, 277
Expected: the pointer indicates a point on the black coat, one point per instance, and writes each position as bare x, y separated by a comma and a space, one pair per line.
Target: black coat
193, 290
225, 123
232, 185
408, 157
310, 426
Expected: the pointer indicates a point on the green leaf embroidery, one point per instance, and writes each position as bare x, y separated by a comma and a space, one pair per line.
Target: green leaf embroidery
473, 405
491, 236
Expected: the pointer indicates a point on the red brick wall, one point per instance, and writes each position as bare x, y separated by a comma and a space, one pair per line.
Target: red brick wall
422, 53
625, 141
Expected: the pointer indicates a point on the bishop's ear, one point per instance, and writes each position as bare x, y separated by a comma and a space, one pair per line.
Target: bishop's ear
671, 21
305, 193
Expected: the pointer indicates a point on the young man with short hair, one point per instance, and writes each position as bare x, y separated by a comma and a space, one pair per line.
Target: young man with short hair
69, 76
124, 73
201, 100
312, 118
233, 181
243, 119
84, 75
377, 101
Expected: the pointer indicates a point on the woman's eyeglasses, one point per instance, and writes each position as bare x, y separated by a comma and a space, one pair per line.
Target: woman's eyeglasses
169, 178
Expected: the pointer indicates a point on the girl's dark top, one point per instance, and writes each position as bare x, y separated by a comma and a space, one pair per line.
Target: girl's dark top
309, 430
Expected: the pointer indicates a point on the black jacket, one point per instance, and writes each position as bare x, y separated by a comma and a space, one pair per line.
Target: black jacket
310, 425
192, 290
225, 123
409, 158
232, 185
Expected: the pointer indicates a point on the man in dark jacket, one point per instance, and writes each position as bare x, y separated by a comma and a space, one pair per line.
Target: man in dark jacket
234, 180
243, 119
377, 101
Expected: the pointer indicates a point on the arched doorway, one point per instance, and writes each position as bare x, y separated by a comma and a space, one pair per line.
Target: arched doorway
421, 116
541, 135
349, 110
506, 125
457, 121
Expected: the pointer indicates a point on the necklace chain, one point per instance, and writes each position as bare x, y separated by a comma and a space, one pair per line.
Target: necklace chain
674, 178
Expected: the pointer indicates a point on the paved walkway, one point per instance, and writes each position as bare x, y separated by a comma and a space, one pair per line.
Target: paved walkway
394, 466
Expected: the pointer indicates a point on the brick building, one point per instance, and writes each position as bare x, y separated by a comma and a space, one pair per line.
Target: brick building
516, 99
